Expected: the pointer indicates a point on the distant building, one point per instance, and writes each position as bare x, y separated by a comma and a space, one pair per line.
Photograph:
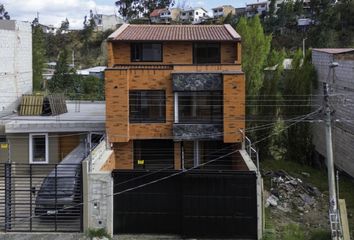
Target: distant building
15, 63
48, 28
94, 71
341, 79
257, 8
194, 15
165, 15
223, 11
240, 11
106, 22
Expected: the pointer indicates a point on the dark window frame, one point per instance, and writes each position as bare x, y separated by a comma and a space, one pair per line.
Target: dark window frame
140, 45
139, 117
195, 57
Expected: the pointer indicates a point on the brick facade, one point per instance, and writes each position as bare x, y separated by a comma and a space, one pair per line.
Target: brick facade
124, 75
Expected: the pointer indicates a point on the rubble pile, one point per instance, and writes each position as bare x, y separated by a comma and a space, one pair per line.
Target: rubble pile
290, 194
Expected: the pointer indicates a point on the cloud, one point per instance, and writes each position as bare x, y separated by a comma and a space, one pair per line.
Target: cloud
55, 11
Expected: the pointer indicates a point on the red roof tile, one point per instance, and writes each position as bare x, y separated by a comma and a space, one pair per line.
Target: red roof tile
175, 33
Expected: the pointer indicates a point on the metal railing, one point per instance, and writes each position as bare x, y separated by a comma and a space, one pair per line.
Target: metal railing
40, 198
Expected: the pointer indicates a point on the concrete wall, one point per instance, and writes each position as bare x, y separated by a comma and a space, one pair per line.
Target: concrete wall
19, 148
98, 199
342, 102
15, 62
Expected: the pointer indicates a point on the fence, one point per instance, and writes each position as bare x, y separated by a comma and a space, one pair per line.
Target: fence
40, 198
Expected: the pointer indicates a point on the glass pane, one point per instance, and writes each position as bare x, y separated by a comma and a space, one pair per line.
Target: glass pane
38, 148
147, 106
200, 107
188, 148
152, 52
207, 53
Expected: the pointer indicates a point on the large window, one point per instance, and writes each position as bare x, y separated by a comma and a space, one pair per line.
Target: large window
200, 107
153, 154
147, 106
146, 52
206, 53
38, 148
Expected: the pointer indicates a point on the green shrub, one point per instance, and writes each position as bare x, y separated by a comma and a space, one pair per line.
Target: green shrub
293, 232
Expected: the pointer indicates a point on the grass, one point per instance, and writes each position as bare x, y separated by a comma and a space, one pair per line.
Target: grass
317, 178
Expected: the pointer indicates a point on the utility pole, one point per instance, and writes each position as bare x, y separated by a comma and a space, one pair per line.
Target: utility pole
334, 215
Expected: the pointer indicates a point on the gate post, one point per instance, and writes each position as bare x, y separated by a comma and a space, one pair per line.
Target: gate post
7, 196
85, 194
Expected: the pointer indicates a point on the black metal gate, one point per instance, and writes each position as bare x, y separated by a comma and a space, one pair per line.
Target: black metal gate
193, 204
40, 197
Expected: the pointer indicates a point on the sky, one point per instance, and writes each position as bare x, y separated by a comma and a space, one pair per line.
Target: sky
53, 12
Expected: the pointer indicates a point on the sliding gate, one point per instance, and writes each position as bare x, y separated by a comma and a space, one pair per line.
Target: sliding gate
40, 197
192, 204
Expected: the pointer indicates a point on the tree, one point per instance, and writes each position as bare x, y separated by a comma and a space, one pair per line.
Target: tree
130, 9
255, 50
297, 90
3, 14
61, 80
38, 53
64, 26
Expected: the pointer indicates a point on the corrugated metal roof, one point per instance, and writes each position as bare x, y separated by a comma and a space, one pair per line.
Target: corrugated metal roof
175, 33
334, 50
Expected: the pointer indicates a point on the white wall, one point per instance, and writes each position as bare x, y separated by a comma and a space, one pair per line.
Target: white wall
15, 63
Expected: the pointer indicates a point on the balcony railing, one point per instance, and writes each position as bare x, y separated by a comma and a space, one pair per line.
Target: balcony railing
181, 67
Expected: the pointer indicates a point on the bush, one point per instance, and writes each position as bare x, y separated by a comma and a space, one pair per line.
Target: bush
293, 232
320, 235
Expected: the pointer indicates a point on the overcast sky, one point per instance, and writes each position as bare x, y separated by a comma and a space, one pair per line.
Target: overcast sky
55, 11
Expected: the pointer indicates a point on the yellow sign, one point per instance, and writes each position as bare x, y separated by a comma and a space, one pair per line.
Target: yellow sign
4, 146
141, 162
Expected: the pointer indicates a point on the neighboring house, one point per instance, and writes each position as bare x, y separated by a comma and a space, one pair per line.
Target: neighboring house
240, 11
165, 15
49, 29
49, 139
15, 63
106, 22
94, 71
223, 11
194, 15
342, 101
258, 8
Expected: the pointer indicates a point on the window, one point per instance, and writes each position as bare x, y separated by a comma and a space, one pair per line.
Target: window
146, 52
183, 14
147, 106
153, 154
196, 13
206, 53
200, 107
38, 148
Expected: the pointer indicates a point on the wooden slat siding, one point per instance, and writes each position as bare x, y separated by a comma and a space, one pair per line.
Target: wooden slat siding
57, 104
31, 105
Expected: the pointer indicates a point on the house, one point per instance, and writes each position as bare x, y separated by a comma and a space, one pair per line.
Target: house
105, 22
165, 15
15, 63
341, 79
258, 8
183, 91
194, 15
175, 121
48, 139
94, 71
223, 11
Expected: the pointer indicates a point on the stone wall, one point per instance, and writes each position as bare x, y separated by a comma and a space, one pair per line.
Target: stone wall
15, 63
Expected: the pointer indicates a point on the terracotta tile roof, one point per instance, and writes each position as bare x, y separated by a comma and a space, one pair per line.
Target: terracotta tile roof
157, 12
333, 50
129, 32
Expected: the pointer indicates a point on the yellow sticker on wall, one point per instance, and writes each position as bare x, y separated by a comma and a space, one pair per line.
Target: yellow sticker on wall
141, 162
4, 146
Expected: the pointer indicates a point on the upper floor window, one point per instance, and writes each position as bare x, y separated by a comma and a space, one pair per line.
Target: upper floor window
147, 106
146, 52
206, 53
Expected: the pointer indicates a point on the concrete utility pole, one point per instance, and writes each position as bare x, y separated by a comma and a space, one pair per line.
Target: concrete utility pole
334, 215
